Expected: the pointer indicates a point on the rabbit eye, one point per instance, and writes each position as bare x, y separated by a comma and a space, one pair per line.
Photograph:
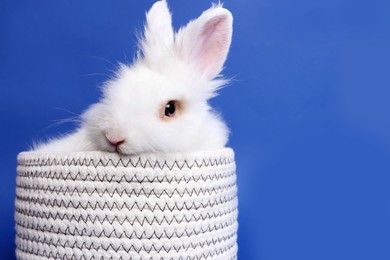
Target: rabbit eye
170, 109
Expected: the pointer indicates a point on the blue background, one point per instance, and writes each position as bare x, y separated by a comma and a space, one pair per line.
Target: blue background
308, 108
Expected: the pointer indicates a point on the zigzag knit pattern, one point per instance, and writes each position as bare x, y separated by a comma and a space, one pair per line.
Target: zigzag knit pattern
97, 205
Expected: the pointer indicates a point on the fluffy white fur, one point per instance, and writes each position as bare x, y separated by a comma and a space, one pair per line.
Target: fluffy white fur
182, 66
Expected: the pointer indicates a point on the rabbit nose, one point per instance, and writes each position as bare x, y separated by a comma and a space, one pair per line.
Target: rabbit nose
115, 140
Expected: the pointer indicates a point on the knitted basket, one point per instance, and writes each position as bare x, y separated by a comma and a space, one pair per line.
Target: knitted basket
98, 205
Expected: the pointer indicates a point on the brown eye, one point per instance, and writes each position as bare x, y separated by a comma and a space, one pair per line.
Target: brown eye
170, 109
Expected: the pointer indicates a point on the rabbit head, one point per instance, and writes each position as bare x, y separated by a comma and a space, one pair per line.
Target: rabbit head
160, 102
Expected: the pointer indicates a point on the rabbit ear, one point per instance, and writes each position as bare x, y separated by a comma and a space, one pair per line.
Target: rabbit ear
158, 35
206, 40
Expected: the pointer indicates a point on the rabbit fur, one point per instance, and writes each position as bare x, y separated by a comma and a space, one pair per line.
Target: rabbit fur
182, 66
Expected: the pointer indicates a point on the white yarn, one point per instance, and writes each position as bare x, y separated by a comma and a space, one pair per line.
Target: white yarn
97, 205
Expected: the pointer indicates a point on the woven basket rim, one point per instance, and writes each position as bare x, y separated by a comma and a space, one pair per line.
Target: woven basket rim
145, 160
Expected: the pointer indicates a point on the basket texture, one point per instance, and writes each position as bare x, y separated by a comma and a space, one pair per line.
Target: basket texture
97, 205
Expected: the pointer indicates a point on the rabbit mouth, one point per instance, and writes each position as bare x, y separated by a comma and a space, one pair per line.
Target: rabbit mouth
116, 149
120, 150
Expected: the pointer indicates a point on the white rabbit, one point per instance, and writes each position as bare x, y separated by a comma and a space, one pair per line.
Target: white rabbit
159, 103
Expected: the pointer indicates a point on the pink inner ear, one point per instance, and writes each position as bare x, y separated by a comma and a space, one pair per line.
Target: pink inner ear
215, 38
